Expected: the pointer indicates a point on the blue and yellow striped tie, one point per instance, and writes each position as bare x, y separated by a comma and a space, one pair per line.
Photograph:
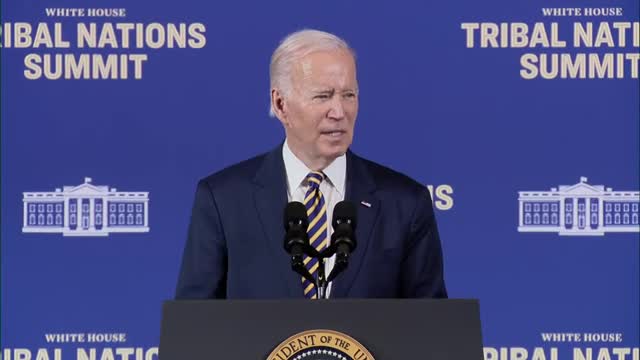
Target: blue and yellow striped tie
317, 230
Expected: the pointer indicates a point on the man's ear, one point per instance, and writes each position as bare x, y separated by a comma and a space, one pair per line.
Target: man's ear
278, 105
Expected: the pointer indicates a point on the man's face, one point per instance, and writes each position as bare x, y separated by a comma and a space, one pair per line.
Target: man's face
320, 112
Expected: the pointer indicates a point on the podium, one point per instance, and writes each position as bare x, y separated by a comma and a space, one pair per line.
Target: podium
389, 329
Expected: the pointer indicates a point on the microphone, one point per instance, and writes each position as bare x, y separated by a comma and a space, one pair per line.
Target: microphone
295, 225
343, 239
296, 240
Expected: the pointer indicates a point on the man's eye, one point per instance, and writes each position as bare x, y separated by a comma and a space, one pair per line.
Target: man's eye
350, 95
321, 97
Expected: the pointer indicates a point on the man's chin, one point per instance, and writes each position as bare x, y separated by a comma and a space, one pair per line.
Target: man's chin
334, 152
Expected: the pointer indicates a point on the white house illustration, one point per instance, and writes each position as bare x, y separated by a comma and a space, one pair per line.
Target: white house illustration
579, 209
85, 210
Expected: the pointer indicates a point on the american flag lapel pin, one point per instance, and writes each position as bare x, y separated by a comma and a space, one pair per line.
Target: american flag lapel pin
364, 203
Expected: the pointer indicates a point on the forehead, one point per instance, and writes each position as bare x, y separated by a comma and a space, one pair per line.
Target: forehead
326, 67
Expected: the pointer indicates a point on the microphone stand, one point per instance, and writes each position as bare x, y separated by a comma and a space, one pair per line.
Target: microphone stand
321, 282
297, 264
340, 265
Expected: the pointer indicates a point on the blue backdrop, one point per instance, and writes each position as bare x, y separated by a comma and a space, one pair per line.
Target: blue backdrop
459, 118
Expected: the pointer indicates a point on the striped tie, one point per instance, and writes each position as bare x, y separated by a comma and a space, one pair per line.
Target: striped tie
317, 230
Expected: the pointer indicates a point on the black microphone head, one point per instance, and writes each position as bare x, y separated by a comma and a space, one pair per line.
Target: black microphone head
295, 213
343, 239
295, 226
344, 212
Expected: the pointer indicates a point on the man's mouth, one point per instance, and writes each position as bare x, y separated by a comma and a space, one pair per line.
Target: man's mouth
333, 133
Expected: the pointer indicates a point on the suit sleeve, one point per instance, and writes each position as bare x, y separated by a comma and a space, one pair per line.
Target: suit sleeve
204, 263
423, 266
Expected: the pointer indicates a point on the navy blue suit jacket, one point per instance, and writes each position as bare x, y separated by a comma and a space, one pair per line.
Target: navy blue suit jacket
235, 242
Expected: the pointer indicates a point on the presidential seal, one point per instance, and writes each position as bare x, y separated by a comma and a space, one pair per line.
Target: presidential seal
320, 345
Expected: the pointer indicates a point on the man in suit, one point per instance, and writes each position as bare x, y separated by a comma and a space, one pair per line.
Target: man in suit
235, 242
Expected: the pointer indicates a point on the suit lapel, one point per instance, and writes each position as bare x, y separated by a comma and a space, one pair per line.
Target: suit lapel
270, 195
360, 190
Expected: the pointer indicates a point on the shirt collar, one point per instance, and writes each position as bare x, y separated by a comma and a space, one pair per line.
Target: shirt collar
297, 171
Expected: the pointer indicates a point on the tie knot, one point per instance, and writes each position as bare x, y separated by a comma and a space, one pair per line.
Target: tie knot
315, 178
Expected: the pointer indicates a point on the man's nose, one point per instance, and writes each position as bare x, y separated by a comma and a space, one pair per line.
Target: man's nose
336, 111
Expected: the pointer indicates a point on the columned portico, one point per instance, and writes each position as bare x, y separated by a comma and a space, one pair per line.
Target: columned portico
577, 206
84, 210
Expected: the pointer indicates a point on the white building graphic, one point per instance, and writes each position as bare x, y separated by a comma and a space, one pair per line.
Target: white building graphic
579, 209
85, 210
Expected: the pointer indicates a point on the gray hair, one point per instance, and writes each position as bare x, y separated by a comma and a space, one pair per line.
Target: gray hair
296, 46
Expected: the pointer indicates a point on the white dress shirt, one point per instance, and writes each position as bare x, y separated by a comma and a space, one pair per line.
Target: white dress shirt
332, 188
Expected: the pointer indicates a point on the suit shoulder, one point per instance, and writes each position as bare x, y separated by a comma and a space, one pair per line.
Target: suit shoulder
389, 179
236, 174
